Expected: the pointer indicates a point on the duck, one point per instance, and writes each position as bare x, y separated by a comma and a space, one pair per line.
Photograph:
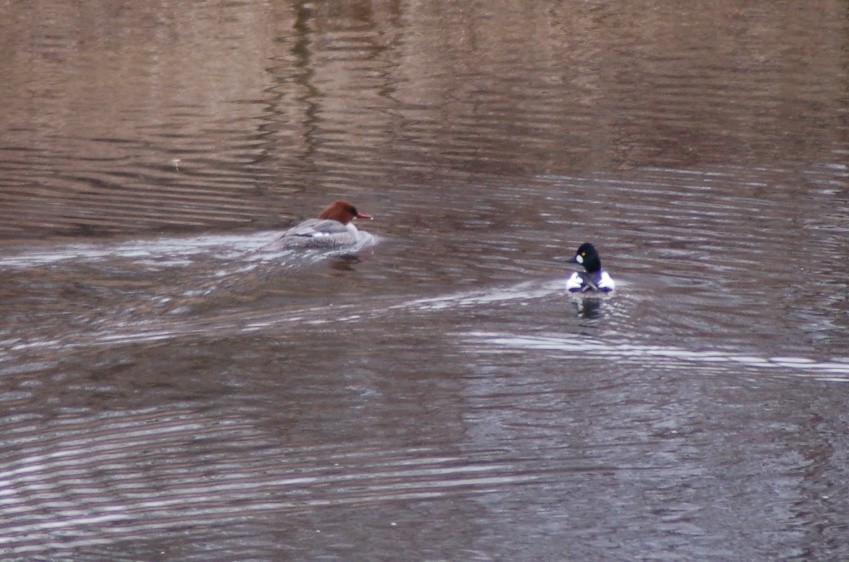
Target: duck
333, 228
594, 278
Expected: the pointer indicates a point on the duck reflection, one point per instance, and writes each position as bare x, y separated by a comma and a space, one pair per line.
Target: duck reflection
344, 262
588, 307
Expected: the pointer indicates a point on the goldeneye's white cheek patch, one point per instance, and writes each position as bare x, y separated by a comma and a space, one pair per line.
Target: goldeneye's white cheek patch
579, 259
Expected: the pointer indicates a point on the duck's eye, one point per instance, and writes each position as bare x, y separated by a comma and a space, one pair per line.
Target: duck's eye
583, 254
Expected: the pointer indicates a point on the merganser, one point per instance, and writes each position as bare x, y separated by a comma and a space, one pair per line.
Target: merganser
332, 228
594, 278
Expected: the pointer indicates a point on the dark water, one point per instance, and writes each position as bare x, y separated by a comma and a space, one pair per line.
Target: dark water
168, 392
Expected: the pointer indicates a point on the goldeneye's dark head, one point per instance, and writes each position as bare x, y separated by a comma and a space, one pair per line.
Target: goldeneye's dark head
587, 256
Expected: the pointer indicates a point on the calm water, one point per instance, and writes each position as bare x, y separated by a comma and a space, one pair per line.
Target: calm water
169, 392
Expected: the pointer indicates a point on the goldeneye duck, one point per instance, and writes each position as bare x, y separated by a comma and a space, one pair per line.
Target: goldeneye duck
332, 228
594, 278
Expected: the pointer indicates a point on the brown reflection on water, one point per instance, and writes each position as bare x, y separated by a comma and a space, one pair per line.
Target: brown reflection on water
147, 115
168, 391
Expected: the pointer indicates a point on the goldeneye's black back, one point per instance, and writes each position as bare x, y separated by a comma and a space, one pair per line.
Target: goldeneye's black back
594, 278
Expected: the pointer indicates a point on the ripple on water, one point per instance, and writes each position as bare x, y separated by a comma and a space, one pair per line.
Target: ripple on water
732, 362
125, 474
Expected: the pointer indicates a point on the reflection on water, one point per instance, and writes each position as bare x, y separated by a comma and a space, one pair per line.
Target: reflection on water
170, 391
588, 307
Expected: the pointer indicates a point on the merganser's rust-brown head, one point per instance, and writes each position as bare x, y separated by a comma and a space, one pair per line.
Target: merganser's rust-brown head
343, 212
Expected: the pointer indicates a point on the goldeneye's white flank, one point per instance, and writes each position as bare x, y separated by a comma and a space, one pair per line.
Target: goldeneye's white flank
332, 228
594, 278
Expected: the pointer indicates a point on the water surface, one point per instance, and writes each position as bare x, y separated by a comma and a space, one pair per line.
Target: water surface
167, 391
